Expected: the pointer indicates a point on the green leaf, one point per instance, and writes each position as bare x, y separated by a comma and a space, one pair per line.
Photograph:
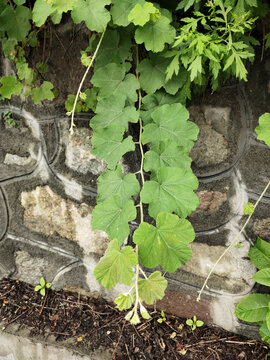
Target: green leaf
113, 215
189, 322
177, 82
69, 103
267, 43
8, 46
263, 276
171, 192
93, 12
41, 11
166, 244
152, 73
124, 302
166, 153
170, 122
195, 67
42, 281
153, 288
265, 333
63, 5
91, 98
109, 146
263, 130
16, 22
116, 265
48, 285
115, 48
153, 101
248, 208
24, 72
37, 288
173, 67
19, 2
10, 86
253, 308
43, 92
114, 182
140, 15
259, 254
199, 323
112, 110
155, 35
42, 68
56, 17
42, 291
112, 80
121, 9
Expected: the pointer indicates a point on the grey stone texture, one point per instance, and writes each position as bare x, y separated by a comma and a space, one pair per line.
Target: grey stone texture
19, 345
48, 192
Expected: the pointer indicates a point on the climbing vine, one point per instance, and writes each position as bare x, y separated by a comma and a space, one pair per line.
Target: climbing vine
148, 62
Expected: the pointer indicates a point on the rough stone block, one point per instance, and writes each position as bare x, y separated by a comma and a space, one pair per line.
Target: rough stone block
20, 148
47, 213
222, 133
75, 160
215, 205
255, 169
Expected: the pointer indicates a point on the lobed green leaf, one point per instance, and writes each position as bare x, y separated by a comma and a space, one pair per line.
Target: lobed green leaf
114, 182
112, 110
43, 92
263, 130
92, 12
116, 265
10, 86
155, 35
153, 288
166, 244
113, 215
170, 122
109, 144
172, 191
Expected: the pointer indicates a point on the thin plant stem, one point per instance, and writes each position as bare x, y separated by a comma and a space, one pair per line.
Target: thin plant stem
233, 242
72, 125
142, 179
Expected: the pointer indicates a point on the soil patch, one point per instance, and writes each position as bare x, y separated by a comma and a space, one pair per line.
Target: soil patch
90, 323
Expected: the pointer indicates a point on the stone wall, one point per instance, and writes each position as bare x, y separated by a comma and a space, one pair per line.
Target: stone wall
48, 191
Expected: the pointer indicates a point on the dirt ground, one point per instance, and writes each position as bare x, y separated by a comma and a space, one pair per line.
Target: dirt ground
90, 323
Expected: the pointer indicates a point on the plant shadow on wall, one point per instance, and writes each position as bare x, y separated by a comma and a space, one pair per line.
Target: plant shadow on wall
148, 63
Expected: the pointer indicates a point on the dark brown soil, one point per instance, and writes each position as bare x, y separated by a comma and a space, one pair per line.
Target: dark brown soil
92, 323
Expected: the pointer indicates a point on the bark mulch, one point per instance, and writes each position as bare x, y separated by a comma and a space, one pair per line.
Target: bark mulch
90, 323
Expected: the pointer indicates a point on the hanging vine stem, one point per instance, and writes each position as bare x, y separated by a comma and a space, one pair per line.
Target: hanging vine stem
138, 269
72, 125
233, 242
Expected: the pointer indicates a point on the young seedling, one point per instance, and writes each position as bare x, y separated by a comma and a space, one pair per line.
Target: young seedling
8, 116
194, 323
43, 286
162, 318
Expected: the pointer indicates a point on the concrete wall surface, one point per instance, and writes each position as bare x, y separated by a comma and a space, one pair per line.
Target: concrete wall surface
20, 347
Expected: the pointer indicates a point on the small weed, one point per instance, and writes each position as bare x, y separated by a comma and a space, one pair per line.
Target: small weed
194, 323
43, 286
8, 117
162, 318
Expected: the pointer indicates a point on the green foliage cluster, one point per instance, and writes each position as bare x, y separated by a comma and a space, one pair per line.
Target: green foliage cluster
256, 307
149, 58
